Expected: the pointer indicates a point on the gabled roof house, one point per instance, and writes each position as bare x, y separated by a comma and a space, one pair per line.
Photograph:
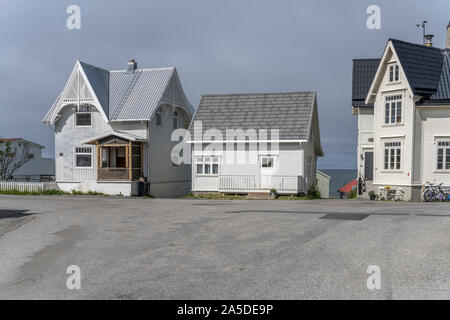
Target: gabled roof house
113, 130
408, 108
252, 143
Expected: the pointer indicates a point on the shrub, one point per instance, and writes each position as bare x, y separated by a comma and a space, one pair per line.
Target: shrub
313, 193
352, 194
274, 191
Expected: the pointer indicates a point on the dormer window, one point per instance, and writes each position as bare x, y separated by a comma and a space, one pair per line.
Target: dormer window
158, 116
394, 73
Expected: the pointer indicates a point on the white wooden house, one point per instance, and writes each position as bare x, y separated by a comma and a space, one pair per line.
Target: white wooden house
250, 143
28, 158
410, 94
113, 130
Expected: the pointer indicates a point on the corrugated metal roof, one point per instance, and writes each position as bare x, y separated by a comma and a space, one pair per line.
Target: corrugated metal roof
126, 95
291, 113
135, 95
99, 80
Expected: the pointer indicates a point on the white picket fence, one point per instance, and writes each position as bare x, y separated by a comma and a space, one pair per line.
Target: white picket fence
22, 186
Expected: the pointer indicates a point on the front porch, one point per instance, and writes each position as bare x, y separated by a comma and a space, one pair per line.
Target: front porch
120, 157
253, 184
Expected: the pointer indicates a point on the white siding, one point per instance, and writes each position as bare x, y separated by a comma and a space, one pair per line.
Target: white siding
68, 136
387, 132
435, 125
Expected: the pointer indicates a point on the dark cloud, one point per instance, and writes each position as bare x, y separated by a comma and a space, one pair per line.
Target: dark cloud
218, 46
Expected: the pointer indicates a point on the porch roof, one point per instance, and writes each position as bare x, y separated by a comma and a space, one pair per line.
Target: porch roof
126, 136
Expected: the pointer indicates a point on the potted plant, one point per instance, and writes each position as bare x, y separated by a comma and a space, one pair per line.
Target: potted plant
273, 193
372, 195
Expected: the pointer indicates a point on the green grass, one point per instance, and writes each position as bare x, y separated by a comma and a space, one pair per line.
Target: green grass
50, 192
215, 196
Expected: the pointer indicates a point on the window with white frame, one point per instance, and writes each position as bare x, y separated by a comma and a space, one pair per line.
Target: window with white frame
158, 116
393, 109
394, 73
175, 120
267, 162
392, 155
443, 155
83, 117
207, 165
83, 157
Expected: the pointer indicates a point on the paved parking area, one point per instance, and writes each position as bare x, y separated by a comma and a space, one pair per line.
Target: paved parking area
130, 248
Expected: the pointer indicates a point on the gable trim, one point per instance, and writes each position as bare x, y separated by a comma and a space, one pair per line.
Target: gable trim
377, 79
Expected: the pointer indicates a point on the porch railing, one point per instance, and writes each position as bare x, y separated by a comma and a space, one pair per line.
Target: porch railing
113, 174
237, 182
292, 184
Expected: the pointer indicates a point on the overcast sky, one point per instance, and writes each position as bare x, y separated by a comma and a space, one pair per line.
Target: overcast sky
218, 46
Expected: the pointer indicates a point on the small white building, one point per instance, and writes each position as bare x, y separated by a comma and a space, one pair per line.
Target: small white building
250, 143
28, 156
323, 184
113, 130
410, 94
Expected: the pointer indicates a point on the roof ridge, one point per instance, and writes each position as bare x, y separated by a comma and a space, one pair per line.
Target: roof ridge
144, 69
93, 66
415, 44
255, 94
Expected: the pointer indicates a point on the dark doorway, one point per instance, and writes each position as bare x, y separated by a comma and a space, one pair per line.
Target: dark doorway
368, 165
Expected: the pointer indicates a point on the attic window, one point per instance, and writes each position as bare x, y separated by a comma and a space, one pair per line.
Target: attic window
83, 119
394, 73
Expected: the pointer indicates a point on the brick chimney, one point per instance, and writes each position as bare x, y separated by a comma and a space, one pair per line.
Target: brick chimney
447, 41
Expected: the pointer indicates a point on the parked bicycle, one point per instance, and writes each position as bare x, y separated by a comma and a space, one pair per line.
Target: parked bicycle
432, 192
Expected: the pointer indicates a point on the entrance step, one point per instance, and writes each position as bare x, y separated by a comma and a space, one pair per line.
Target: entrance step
259, 196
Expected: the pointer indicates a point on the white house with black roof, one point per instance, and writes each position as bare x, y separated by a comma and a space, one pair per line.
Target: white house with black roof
251, 143
410, 94
113, 130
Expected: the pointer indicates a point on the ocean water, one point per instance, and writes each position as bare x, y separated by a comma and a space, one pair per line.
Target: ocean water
339, 178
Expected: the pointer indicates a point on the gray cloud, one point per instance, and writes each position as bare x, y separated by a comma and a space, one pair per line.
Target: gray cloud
218, 46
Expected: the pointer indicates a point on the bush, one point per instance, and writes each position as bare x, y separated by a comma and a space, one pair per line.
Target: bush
273, 191
352, 194
313, 193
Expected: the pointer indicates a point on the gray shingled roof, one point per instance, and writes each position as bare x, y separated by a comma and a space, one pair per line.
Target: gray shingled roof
291, 113
364, 71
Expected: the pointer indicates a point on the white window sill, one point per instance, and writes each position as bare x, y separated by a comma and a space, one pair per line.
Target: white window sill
393, 83
86, 168
397, 124
206, 175
391, 171
83, 126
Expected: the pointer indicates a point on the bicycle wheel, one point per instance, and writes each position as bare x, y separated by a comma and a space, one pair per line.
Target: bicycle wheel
428, 196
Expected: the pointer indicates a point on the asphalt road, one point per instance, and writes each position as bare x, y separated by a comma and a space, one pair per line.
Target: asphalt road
130, 248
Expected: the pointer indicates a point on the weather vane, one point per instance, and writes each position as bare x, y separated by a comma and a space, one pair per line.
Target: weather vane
424, 25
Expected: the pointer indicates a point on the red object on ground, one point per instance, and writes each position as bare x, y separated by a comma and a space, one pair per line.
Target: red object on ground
348, 187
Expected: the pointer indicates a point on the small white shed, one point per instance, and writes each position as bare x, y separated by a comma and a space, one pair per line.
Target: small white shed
323, 184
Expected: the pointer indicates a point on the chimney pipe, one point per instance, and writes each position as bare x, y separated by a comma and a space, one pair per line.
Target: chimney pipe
429, 40
132, 65
447, 42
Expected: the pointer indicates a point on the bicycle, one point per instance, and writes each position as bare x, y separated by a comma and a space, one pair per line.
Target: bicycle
432, 192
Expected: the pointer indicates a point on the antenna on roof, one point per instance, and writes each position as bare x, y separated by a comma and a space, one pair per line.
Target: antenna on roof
424, 25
